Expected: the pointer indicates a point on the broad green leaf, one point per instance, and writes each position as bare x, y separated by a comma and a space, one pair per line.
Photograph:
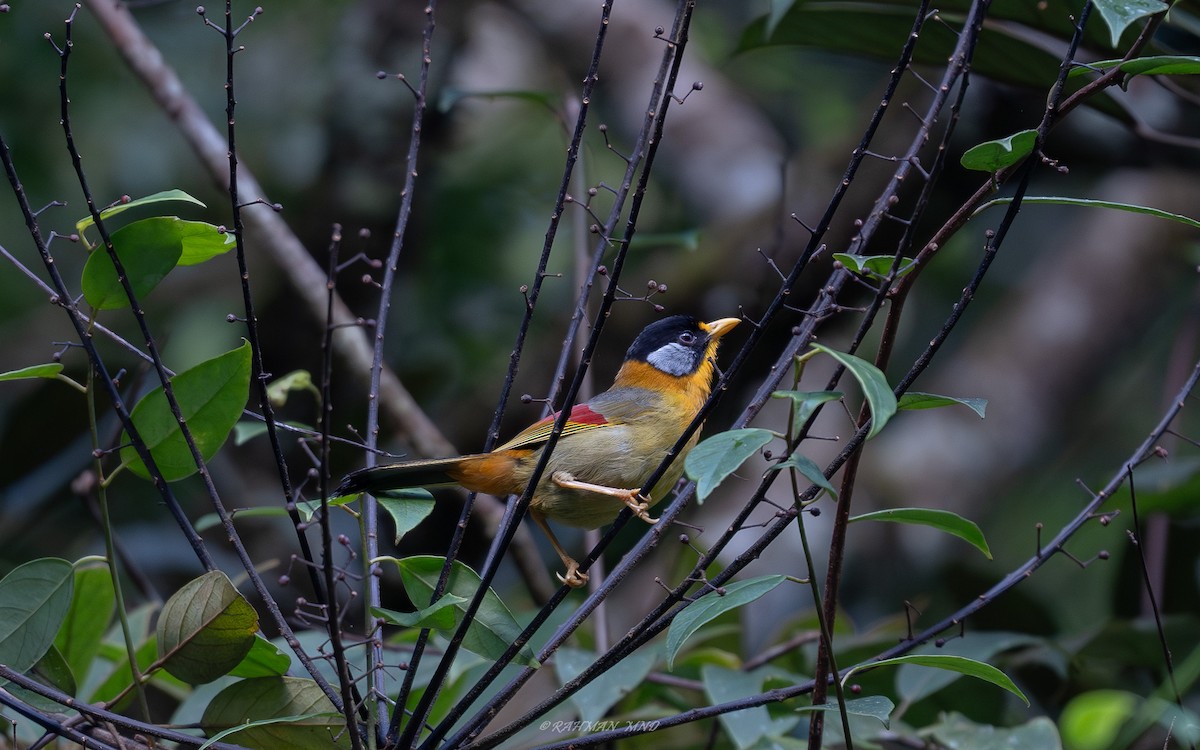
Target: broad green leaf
205, 629
914, 683
942, 520
34, 600
594, 699
716, 457
147, 252
48, 370
1089, 203
201, 241
875, 266
872, 706
268, 713
992, 156
1120, 14
1091, 720
749, 726
264, 659
441, 615
917, 400
93, 605
407, 507
491, 632
804, 403
86, 222
211, 396
712, 605
1145, 66
808, 469
874, 387
52, 671
962, 665
956, 731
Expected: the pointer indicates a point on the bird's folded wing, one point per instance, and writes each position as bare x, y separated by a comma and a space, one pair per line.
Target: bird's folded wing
582, 418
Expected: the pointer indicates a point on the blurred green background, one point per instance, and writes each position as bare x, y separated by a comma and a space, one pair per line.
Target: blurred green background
1086, 325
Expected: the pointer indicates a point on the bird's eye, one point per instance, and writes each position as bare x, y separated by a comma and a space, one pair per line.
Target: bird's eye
687, 338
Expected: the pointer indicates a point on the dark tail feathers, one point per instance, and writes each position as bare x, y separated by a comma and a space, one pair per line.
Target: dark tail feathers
424, 473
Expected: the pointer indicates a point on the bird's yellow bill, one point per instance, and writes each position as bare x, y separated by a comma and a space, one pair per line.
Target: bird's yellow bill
719, 328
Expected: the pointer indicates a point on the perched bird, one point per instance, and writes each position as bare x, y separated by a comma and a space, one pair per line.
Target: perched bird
608, 449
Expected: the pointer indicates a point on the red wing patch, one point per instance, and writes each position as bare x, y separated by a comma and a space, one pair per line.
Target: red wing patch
582, 418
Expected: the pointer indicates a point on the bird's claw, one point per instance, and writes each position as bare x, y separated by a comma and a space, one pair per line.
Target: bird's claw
574, 578
639, 505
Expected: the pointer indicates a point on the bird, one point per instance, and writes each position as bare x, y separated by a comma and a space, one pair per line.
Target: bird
608, 448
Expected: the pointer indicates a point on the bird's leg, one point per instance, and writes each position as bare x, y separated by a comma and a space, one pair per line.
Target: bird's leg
574, 578
632, 498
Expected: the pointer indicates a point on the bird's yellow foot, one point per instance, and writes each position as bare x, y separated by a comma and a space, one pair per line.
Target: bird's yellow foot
573, 578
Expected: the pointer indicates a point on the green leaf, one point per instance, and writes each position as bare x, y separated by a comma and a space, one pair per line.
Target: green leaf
992, 156
872, 707
917, 400
52, 671
874, 387
749, 726
407, 507
296, 380
1144, 66
942, 520
86, 222
713, 605
205, 629
1093, 719
93, 604
962, 665
48, 370
34, 600
1120, 14
1089, 203
264, 659
594, 699
808, 469
268, 713
874, 266
955, 730
440, 615
201, 241
914, 683
716, 457
492, 630
147, 252
211, 396
805, 403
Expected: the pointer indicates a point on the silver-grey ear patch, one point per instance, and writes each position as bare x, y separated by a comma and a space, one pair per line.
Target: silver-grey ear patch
673, 359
